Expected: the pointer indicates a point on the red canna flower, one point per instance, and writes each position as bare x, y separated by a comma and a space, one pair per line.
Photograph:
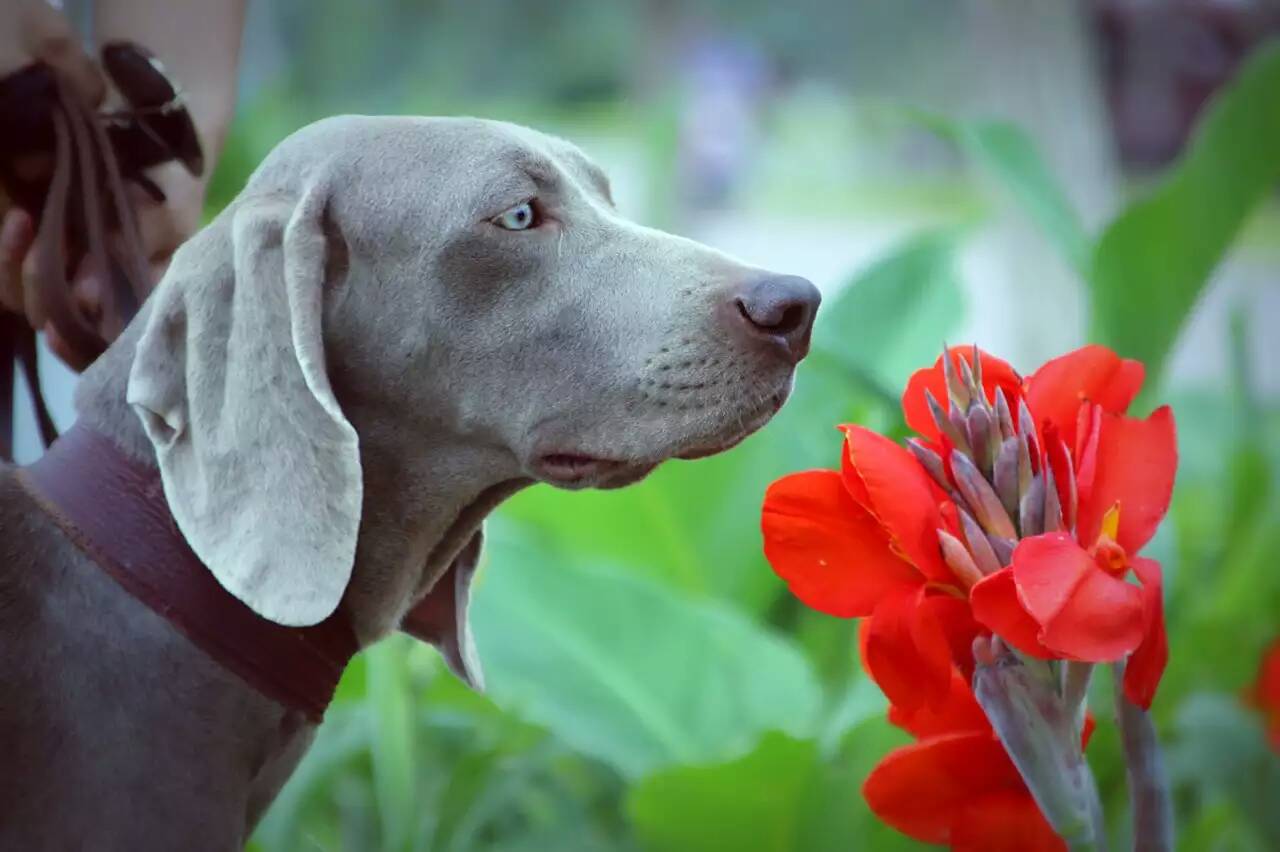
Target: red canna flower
1067, 596
956, 784
1019, 511
863, 543
1265, 693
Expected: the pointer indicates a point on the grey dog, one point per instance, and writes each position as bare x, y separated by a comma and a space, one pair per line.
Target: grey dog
397, 324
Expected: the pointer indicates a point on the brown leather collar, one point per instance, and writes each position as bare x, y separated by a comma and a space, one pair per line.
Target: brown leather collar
114, 509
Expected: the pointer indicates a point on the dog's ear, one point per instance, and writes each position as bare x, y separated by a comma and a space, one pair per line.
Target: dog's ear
260, 466
441, 617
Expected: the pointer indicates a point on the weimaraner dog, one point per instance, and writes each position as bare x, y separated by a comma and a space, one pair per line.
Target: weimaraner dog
396, 325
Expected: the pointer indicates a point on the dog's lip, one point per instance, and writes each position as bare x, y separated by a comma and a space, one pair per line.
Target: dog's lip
576, 469
573, 468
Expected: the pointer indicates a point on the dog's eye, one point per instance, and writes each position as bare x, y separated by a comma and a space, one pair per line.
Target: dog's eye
518, 218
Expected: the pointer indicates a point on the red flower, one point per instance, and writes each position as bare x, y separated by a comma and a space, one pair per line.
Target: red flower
933, 381
863, 542
1067, 597
1265, 693
956, 784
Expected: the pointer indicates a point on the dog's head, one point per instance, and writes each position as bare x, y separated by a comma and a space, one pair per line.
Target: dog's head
446, 281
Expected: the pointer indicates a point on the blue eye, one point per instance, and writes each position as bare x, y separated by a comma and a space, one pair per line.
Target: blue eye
518, 218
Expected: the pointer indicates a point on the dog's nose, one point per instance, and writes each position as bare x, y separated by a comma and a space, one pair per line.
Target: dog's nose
780, 308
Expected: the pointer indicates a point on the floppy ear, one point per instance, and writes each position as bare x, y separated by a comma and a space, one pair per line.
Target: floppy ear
441, 617
260, 466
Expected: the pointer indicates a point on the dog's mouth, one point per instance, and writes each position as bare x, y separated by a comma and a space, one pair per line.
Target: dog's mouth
580, 470
574, 470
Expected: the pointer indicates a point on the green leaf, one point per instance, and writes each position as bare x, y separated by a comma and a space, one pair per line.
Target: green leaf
754, 804
893, 317
622, 669
1005, 153
467, 783
1009, 155
392, 743
1220, 752
782, 797
1152, 263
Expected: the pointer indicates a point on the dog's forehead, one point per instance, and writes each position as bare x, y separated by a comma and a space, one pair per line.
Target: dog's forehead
437, 146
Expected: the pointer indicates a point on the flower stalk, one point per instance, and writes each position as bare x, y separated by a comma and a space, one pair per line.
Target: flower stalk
1149, 798
1037, 728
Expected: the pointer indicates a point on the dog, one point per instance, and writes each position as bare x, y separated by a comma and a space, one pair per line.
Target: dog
397, 324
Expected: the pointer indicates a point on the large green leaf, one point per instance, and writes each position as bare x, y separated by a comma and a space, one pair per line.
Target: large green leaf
1152, 263
1009, 157
754, 804
782, 797
1008, 154
624, 670
893, 317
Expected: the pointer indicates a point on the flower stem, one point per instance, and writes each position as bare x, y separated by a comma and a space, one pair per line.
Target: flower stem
1148, 785
1023, 701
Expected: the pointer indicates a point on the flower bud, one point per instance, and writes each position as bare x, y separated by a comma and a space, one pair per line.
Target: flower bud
956, 389
1005, 475
944, 424
930, 461
1031, 509
982, 499
1052, 517
1027, 428
978, 427
979, 547
958, 559
1003, 415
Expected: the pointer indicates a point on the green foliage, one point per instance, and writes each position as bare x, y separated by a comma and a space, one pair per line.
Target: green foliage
916, 284
756, 802
638, 676
1009, 156
653, 686
1153, 261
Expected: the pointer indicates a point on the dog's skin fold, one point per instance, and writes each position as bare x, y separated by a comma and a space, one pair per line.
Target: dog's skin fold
338, 379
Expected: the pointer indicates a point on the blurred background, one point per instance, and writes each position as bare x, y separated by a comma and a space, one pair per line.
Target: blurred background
1025, 175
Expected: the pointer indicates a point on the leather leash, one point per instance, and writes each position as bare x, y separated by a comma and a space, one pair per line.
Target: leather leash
83, 201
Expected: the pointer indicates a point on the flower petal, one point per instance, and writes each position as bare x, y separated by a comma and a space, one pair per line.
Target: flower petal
958, 712
907, 655
995, 373
902, 496
833, 555
921, 789
1131, 462
1084, 612
954, 617
1091, 373
996, 606
1007, 821
1146, 666
1264, 694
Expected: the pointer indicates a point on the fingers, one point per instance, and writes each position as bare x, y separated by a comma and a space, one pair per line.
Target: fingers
45, 34
86, 300
17, 233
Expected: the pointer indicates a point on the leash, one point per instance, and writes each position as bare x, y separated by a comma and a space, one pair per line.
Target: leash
82, 200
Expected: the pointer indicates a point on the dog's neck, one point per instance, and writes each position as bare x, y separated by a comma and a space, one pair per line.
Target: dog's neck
421, 507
